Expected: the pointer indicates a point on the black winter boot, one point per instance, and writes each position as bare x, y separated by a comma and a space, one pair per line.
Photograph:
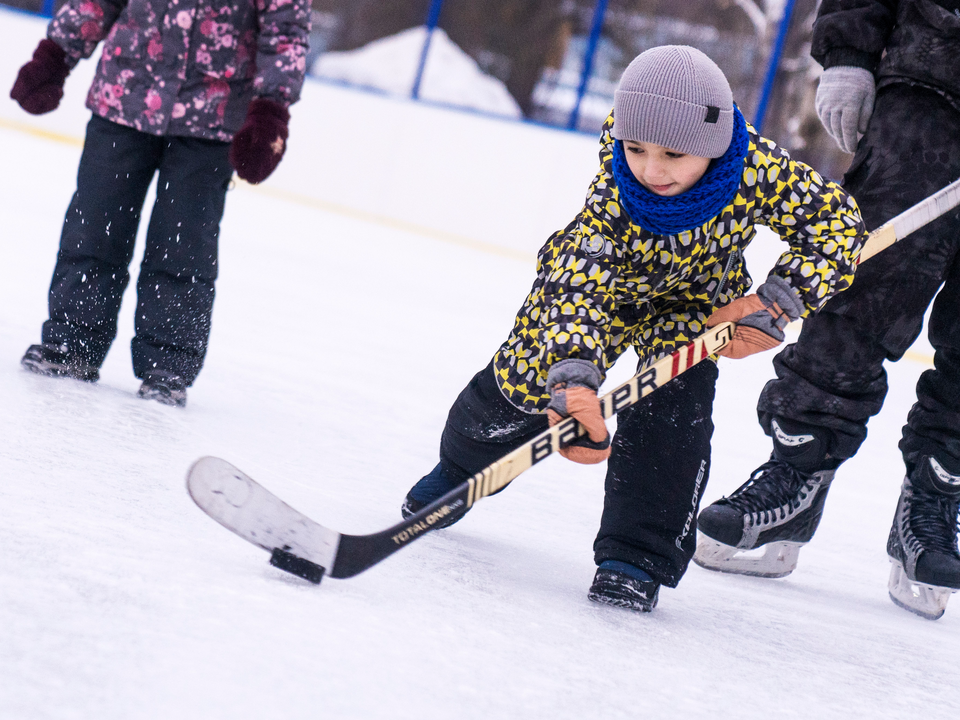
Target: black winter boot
56, 361
625, 586
923, 540
779, 506
432, 486
164, 387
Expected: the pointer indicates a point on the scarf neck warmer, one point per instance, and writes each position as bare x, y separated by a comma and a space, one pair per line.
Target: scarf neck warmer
691, 209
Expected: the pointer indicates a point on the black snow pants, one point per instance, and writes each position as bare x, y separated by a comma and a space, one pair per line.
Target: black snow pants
656, 474
175, 288
832, 378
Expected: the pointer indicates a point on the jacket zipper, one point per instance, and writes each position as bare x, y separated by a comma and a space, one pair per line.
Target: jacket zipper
726, 271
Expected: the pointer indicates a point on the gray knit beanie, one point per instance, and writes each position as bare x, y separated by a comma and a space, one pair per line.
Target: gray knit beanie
677, 97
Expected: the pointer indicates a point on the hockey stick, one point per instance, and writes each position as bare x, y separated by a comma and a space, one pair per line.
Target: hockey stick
911, 219
307, 549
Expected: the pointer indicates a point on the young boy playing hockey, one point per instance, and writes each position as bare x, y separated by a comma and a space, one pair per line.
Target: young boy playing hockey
647, 262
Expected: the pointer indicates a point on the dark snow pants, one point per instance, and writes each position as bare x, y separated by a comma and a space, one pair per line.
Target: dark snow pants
832, 378
175, 288
656, 474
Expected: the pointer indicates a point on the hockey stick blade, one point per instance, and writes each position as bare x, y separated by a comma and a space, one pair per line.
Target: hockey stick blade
307, 549
910, 220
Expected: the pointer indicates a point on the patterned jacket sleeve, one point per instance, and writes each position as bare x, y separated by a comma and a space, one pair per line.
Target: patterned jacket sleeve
818, 219
579, 270
674, 322
80, 25
282, 49
852, 32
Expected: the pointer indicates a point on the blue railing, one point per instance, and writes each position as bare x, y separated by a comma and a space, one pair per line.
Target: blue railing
596, 27
433, 17
772, 66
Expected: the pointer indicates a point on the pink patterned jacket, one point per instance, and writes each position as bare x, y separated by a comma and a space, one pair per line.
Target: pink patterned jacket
186, 67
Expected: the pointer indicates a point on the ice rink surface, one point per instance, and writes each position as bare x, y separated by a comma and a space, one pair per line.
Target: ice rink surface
361, 287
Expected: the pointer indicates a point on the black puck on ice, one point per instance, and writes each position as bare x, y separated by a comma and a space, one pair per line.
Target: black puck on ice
311, 572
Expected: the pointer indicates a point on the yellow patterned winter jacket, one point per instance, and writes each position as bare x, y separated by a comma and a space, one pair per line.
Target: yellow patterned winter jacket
605, 284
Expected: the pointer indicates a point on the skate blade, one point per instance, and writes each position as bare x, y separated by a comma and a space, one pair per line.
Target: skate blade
927, 601
773, 560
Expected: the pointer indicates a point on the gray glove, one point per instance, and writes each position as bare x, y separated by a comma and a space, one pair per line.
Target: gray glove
779, 291
845, 103
572, 372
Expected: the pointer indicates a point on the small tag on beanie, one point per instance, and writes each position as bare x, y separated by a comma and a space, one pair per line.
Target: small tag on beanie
713, 114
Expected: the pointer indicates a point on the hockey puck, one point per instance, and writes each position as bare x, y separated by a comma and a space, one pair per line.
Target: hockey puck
283, 560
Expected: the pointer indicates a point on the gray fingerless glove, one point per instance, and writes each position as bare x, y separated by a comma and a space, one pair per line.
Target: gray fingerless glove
779, 291
845, 103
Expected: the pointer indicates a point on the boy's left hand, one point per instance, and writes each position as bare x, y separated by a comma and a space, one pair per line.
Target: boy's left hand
760, 318
758, 326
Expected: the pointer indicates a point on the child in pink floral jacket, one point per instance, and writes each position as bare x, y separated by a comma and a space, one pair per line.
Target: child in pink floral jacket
192, 89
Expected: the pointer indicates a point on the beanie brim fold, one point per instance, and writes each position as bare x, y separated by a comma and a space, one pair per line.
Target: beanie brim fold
671, 123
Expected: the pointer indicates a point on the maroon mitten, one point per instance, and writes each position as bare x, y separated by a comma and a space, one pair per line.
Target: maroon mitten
259, 144
39, 84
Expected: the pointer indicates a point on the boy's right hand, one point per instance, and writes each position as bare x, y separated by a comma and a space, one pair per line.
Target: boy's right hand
582, 404
39, 84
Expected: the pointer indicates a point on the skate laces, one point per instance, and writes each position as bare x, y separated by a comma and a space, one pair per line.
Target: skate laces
772, 485
934, 522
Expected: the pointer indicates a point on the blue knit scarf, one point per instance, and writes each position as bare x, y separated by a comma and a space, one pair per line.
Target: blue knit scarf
711, 194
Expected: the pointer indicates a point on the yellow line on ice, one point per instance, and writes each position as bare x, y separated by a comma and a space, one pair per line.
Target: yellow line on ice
315, 202
919, 357
373, 218
28, 129
387, 221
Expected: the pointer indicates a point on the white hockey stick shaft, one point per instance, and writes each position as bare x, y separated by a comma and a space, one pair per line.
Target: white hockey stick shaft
911, 219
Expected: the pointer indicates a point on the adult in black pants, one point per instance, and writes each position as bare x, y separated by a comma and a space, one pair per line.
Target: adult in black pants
183, 90
832, 380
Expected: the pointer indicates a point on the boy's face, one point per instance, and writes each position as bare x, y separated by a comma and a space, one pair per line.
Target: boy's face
661, 170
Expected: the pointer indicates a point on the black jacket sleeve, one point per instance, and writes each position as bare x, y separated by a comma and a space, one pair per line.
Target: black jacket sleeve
852, 32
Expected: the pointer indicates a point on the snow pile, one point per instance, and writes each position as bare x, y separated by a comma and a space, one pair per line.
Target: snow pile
450, 76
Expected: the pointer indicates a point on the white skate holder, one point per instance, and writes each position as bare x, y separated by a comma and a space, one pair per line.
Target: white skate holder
927, 601
773, 560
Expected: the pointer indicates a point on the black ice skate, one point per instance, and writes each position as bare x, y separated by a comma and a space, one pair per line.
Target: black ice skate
164, 387
778, 509
923, 541
622, 585
55, 361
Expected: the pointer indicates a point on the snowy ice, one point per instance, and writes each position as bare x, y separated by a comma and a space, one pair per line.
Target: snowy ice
361, 287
